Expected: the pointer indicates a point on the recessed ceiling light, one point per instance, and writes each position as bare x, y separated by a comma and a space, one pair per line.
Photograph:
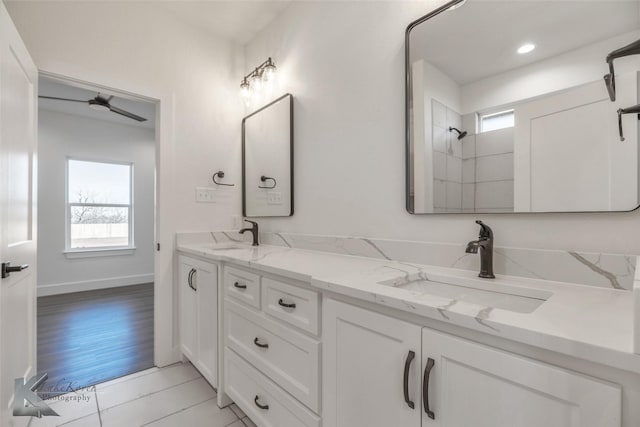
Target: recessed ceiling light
457, 5
526, 48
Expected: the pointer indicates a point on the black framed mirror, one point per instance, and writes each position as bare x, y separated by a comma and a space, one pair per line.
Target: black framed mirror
507, 109
267, 160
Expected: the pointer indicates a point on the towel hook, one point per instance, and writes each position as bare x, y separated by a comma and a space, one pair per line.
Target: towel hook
220, 174
631, 110
265, 178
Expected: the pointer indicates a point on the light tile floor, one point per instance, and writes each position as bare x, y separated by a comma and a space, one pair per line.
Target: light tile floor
174, 396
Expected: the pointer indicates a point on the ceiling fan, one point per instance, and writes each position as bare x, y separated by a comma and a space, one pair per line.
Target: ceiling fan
100, 103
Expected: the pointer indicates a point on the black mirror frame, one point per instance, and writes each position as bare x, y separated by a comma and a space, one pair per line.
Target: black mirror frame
244, 180
407, 123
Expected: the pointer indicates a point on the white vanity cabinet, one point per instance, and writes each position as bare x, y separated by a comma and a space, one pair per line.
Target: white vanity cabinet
198, 314
367, 357
272, 351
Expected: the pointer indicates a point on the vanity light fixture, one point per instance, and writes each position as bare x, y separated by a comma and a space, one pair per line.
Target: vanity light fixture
262, 76
526, 48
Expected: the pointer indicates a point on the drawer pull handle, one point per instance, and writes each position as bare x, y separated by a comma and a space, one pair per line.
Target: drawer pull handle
286, 305
259, 344
425, 388
407, 365
263, 407
239, 286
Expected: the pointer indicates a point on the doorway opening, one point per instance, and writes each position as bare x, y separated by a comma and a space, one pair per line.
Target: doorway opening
96, 233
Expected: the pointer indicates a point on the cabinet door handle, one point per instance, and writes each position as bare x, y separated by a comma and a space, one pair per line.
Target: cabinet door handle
239, 286
263, 407
286, 305
425, 388
259, 344
190, 278
194, 272
407, 366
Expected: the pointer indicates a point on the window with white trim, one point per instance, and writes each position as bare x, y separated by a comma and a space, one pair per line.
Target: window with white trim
99, 205
495, 121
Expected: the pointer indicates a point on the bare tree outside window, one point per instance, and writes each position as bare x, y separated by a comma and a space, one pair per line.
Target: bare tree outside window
99, 205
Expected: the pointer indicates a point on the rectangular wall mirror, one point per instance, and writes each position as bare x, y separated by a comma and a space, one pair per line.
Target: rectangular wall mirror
507, 109
267, 160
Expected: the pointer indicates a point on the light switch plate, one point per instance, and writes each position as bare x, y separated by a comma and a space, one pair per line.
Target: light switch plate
205, 195
274, 198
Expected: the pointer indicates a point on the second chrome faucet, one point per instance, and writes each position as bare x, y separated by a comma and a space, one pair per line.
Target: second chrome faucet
485, 245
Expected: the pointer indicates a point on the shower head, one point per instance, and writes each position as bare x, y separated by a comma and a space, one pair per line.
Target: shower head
461, 134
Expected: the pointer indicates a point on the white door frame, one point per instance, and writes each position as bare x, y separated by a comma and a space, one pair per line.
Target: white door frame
166, 350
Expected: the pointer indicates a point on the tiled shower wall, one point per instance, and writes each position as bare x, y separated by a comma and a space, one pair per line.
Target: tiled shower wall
475, 173
447, 159
487, 171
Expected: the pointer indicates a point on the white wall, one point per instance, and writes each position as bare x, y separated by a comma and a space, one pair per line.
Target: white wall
64, 135
139, 45
574, 68
349, 109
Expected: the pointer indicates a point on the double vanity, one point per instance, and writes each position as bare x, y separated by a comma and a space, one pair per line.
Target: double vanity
299, 337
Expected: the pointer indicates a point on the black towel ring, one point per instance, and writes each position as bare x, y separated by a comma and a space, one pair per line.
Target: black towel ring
264, 178
220, 174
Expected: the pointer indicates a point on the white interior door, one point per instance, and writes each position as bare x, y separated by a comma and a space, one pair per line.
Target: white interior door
18, 124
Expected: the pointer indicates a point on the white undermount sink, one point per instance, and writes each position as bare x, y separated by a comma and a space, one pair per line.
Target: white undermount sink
484, 292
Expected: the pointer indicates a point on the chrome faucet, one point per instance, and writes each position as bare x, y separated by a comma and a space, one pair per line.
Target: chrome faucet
253, 230
485, 245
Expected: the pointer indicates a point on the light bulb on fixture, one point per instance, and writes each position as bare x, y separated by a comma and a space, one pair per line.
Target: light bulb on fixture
269, 72
256, 82
245, 89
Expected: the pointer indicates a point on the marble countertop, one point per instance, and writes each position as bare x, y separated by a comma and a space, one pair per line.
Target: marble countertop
590, 323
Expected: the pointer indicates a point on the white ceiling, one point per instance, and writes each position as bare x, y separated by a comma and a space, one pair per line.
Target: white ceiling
238, 21
50, 87
480, 38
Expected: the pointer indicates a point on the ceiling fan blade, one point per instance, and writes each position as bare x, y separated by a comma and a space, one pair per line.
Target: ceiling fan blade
62, 99
126, 114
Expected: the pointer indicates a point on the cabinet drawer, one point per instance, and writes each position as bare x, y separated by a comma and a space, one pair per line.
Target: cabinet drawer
284, 355
243, 286
291, 304
249, 388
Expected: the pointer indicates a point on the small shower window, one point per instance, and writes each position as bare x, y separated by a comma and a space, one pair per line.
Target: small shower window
495, 121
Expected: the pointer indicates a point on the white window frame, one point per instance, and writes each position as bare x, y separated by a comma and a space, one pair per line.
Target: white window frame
482, 116
98, 250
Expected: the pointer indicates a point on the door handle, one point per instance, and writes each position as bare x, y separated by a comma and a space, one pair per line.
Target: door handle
407, 366
7, 269
425, 388
239, 286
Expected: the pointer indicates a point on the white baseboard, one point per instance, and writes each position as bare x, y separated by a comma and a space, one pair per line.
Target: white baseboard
90, 285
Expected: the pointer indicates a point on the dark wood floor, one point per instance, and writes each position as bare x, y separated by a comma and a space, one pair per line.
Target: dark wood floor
85, 338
